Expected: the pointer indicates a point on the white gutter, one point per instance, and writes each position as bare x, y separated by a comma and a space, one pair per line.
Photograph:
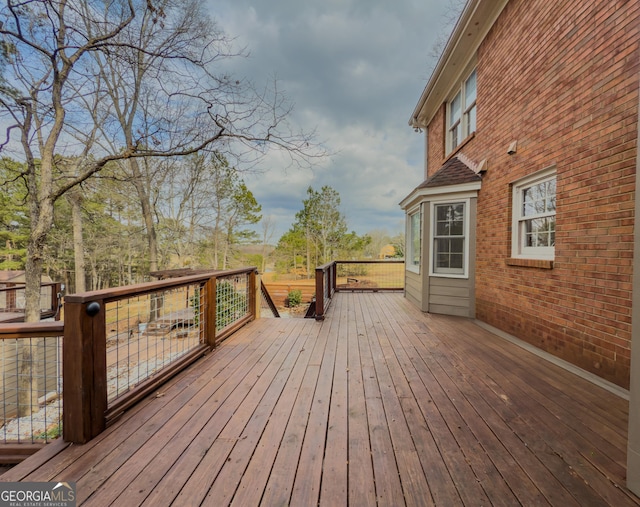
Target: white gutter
474, 23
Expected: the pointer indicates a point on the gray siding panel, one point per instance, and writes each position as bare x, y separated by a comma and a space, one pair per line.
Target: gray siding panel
413, 288
459, 292
450, 296
450, 310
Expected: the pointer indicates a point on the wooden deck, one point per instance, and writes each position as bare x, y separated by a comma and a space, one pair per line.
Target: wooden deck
378, 404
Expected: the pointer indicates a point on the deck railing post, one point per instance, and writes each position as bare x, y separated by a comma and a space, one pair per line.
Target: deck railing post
334, 278
11, 303
319, 294
254, 296
84, 365
210, 288
56, 291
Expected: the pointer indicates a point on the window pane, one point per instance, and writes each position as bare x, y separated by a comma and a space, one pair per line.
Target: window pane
538, 199
456, 135
551, 195
471, 121
456, 110
449, 255
442, 213
456, 261
535, 234
415, 239
442, 261
450, 220
470, 90
540, 232
456, 246
449, 241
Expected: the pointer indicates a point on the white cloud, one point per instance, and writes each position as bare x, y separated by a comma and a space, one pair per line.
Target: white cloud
355, 70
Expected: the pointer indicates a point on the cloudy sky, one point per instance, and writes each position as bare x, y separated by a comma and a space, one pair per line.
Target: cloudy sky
354, 70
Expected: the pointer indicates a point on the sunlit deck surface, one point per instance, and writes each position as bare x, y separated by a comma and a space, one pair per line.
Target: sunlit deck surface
377, 404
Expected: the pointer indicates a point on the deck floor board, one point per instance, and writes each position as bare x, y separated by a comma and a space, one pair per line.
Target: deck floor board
379, 404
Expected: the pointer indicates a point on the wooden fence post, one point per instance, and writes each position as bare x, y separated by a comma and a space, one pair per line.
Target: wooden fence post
84, 366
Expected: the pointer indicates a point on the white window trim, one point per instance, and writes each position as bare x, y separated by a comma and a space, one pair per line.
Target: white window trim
409, 266
518, 250
464, 110
467, 216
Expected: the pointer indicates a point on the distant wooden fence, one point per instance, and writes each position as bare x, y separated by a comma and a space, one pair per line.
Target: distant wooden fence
280, 290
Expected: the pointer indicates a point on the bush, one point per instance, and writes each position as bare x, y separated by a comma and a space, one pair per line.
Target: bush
294, 297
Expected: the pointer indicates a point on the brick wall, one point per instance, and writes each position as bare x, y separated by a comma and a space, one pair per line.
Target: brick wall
561, 78
435, 153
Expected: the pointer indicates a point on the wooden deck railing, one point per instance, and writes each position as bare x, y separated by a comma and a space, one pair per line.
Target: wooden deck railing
374, 276
30, 387
325, 287
119, 344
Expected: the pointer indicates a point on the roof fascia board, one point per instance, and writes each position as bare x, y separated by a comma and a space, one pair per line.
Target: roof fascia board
472, 27
459, 191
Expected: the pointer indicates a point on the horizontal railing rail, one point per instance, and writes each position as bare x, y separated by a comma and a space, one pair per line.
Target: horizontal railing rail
381, 275
117, 345
356, 276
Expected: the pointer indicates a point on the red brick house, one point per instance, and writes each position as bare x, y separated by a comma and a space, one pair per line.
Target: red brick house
525, 219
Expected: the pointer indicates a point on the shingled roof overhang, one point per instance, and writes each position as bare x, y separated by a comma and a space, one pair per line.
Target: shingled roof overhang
454, 177
453, 172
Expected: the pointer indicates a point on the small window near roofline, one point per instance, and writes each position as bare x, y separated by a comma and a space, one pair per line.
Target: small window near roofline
461, 113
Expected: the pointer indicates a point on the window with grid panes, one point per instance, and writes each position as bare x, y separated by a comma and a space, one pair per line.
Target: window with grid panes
534, 216
461, 113
449, 238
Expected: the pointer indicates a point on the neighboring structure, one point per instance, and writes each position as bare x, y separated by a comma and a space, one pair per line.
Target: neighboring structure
12, 298
387, 252
525, 219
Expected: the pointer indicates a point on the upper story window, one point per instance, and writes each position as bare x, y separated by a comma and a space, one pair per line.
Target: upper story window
534, 216
414, 243
461, 113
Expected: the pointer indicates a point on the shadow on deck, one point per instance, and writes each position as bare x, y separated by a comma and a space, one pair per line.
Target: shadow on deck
377, 404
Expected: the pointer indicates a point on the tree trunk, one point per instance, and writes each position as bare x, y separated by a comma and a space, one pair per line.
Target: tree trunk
152, 238
308, 256
147, 213
75, 200
42, 220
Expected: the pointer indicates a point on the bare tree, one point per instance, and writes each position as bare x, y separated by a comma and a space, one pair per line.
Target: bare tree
74, 197
268, 228
58, 53
448, 24
183, 206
